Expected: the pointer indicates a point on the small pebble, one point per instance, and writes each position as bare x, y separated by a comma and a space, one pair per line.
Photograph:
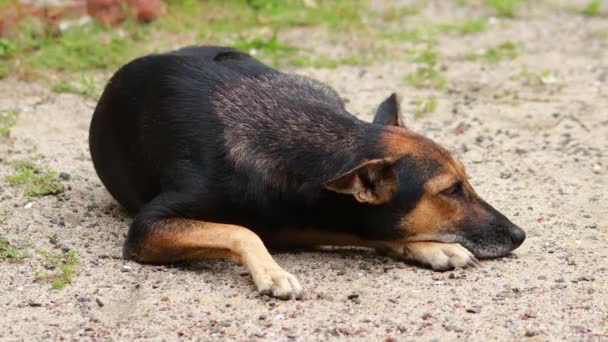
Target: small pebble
531, 333
33, 303
474, 309
99, 302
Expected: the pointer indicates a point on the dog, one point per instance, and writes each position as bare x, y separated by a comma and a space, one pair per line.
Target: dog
216, 154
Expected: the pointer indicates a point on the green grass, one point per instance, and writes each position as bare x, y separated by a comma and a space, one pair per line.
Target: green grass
428, 74
504, 8
473, 25
8, 252
535, 79
268, 49
397, 13
63, 266
7, 121
425, 106
326, 62
35, 180
37, 49
592, 9
505, 51
425, 77
84, 85
403, 35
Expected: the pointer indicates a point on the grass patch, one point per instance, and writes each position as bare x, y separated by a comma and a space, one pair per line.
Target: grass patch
9, 252
84, 86
78, 48
37, 181
403, 35
395, 13
326, 62
425, 106
504, 51
93, 46
7, 121
471, 26
428, 74
425, 77
592, 9
268, 49
504, 8
536, 79
62, 267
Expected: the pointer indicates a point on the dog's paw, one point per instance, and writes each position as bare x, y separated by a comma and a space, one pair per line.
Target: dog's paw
438, 256
277, 283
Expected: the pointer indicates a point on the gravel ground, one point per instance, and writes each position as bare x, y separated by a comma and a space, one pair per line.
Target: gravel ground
535, 150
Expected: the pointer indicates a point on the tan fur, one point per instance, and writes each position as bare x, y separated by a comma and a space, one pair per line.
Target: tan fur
181, 239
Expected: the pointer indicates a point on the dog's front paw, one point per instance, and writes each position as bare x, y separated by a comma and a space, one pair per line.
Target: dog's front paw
438, 256
277, 283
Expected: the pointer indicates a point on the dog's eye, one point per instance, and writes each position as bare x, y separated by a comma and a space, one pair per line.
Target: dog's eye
453, 191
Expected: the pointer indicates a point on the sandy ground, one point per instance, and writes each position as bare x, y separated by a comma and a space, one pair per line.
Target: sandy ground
540, 157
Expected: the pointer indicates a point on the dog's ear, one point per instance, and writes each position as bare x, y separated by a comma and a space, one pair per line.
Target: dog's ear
373, 182
388, 112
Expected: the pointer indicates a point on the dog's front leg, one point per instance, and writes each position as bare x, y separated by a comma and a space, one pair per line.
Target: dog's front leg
176, 239
439, 256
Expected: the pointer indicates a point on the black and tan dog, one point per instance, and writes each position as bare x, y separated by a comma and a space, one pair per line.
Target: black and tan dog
216, 154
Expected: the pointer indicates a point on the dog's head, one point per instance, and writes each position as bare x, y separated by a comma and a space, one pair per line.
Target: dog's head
427, 192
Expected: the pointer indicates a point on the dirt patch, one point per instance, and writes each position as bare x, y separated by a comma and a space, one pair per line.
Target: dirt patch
532, 132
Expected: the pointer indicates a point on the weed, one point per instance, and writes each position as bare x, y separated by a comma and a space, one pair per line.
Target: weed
36, 180
427, 75
472, 26
592, 9
402, 35
396, 13
265, 48
504, 8
425, 106
535, 79
10, 252
63, 265
86, 87
506, 50
326, 62
7, 121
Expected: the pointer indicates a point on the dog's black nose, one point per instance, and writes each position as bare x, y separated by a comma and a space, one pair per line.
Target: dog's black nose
517, 235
